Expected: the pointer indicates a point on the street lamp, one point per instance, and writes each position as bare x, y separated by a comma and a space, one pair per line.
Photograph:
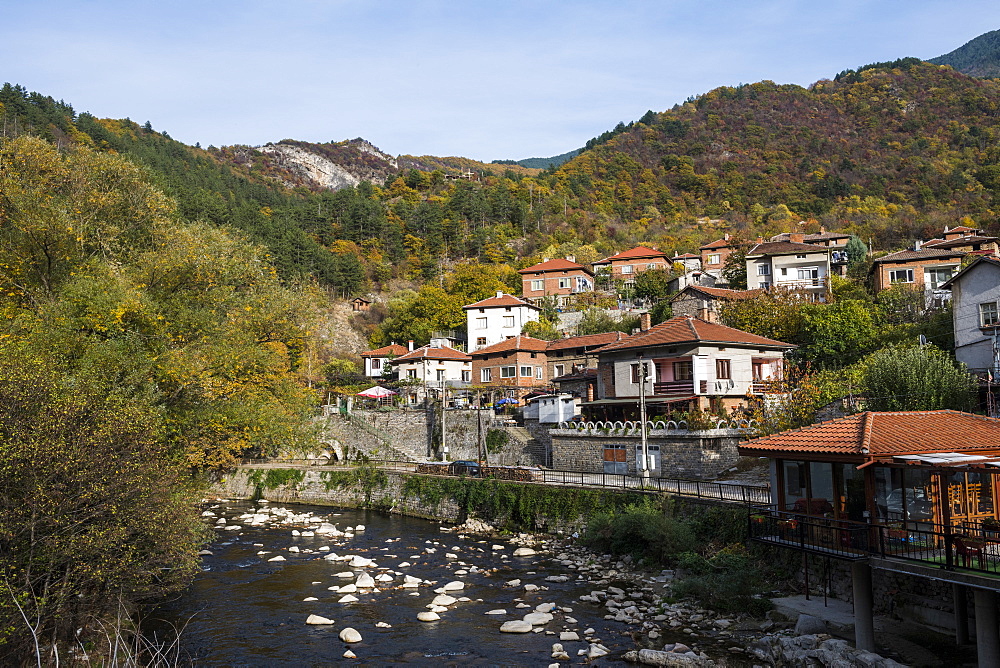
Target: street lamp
643, 375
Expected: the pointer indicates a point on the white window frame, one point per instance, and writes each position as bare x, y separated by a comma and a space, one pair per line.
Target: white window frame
539, 373
529, 370
480, 340
559, 370
508, 371
812, 271
508, 321
537, 285
564, 283
989, 315
481, 323
411, 373
907, 272
763, 270
715, 258
626, 269
376, 363
466, 376
486, 375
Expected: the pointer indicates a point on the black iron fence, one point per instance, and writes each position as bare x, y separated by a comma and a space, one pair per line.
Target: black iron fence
925, 542
712, 490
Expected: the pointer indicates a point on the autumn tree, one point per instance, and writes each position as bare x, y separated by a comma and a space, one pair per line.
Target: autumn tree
916, 378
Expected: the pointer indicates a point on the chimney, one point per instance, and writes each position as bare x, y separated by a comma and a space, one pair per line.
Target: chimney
725, 237
796, 237
590, 391
760, 240
546, 259
409, 345
644, 321
917, 244
499, 294
571, 258
822, 229
946, 229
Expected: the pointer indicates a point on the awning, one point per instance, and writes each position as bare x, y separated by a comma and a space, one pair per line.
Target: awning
948, 459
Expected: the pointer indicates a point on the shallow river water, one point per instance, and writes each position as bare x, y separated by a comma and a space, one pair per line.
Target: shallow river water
244, 610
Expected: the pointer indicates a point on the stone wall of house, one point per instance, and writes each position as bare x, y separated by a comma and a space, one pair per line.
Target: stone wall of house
683, 454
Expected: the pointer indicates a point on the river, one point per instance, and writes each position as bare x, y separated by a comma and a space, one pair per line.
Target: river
245, 610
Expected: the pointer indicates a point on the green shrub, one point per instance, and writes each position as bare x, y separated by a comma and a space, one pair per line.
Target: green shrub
643, 531
730, 582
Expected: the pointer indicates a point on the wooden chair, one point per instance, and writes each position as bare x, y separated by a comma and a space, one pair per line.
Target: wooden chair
969, 549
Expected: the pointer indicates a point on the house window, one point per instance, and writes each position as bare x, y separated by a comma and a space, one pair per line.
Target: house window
626, 269
376, 363
486, 375
508, 321
539, 375
480, 340
988, 316
508, 372
480, 323
564, 283
559, 370
683, 370
807, 273
466, 376
723, 370
411, 373
526, 372
901, 276
651, 266
935, 276
784, 271
537, 285
800, 257
440, 375
636, 371
715, 259
763, 270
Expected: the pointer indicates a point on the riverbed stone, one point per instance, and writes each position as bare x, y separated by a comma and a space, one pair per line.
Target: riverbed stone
364, 581
454, 585
498, 611
345, 574
538, 618
317, 620
545, 607
277, 558
350, 655
350, 635
444, 599
310, 598
516, 626
348, 589
523, 552
350, 598
428, 616
567, 636
809, 625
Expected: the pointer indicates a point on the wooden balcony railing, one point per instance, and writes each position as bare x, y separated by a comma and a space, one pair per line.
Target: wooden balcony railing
674, 388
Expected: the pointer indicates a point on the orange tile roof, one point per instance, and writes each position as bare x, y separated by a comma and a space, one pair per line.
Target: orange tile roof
718, 243
959, 241
385, 351
884, 434
503, 300
432, 353
634, 253
922, 254
719, 293
556, 264
586, 341
687, 256
519, 342
784, 248
685, 329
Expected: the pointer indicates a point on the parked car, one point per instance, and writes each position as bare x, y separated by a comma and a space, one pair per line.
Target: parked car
465, 467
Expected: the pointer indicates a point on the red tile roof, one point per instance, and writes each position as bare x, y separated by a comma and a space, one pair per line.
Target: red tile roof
818, 236
685, 329
556, 264
586, 341
503, 300
686, 256
431, 353
922, 254
392, 349
635, 253
876, 434
519, 342
960, 241
719, 293
718, 243
784, 248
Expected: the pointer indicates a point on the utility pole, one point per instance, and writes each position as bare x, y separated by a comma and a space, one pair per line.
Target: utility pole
444, 408
479, 424
644, 470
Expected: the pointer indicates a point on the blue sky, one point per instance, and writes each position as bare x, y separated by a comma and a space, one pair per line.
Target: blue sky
486, 80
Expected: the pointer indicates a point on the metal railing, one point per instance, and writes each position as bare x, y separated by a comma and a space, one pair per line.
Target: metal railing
701, 489
932, 544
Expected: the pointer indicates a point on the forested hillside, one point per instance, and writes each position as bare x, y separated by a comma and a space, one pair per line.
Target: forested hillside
890, 152
979, 57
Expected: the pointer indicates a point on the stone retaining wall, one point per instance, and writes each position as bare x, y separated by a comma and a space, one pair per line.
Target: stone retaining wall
683, 454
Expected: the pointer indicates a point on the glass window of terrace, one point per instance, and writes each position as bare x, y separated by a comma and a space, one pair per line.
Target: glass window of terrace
823, 489
904, 495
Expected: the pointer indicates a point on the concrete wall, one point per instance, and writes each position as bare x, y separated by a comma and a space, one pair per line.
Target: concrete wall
980, 284
696, 454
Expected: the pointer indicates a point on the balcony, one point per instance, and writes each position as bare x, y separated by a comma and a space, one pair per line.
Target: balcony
971, 548
674, 388
801, 284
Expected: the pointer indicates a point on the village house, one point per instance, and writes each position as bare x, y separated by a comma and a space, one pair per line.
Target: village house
689, 364
975, 301
556, 278
497, 319
432, 370
376, 361
625, 265
925, 269
703, 302
793, 265
909, 494
690, 261
965, 240
571, 353
715, 254
821, 238
516, 366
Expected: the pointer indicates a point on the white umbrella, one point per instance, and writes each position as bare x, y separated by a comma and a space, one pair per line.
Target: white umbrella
376, 392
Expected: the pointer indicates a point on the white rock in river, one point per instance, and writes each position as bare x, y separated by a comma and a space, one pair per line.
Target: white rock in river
596, 651
513, 583
438, 608
350, 655
428, 616
524, 552
360, 527
360, 562
569, 635
347, 599
334, 588
498, 611
538, 618
349, 589
455, 585
293, 549
545, 607
277, 558
383, 577
350, 635
205, 553
515, 626
365, 581
316, 620
410, 579
444, 599
382, 625
530, 587
310, 598
345, 574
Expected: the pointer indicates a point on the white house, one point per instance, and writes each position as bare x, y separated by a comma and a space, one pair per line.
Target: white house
431, 369
975, 300
789, 264
377, 360
497, 319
